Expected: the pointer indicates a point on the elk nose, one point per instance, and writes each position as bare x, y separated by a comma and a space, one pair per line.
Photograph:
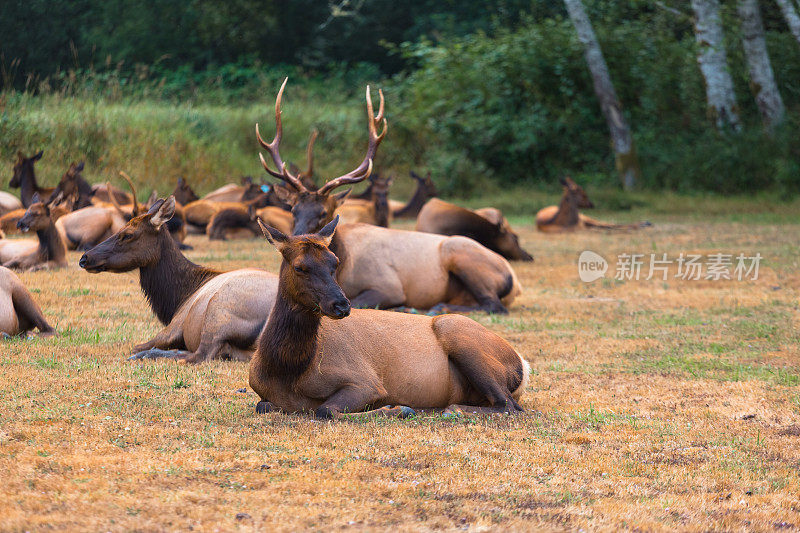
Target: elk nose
83, 262
341, 308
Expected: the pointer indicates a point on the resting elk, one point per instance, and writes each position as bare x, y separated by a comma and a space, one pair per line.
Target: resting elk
19, 313
24, 179
48, 251
207, 313
240, 222
317, 354
375, 210
8, 203
487, 226
389, 268
199, 213
566, 217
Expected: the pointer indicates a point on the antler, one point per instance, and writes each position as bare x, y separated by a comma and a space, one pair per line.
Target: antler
133, 192
309, 173
283, 171
363, 170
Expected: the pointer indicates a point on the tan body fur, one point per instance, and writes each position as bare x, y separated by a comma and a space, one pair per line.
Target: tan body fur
89, 226
48, 251
8, 203
19, 313
390, 268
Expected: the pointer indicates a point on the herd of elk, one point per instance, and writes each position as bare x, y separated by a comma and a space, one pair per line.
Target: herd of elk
318, 336
567, 217
19, 313
317, 354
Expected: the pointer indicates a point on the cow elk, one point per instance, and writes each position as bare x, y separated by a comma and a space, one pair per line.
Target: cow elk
48, 251
566, 215
19, 313
487, 226
317, 354
207, 313
24, 179
424, 191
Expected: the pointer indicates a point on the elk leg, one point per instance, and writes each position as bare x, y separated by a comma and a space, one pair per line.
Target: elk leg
29, 313
171, 337
374, 299
479, 284
348, 399
477, 356
157, 353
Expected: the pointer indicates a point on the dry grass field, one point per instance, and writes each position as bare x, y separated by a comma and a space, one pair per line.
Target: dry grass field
654, 405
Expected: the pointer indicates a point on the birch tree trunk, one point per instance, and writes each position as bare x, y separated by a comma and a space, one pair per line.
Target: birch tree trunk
790, 14
762, 80
713, 61
624, 151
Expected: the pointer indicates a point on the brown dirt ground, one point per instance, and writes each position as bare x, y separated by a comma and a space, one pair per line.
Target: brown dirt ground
654, 405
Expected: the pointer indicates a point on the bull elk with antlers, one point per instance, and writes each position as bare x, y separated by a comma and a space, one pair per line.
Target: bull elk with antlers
389, 268
316, 354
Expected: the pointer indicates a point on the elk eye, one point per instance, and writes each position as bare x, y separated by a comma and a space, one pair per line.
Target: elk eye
300, 269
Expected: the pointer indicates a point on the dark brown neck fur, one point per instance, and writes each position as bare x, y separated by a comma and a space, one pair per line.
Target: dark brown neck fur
288, 342
567, 214
172, 280
421, 195
51, 246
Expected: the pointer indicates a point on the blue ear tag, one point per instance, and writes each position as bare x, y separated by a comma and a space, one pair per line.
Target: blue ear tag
265, 188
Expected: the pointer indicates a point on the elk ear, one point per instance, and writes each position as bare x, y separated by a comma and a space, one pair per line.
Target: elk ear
274, 236
327, 231
251, 211
79, 167
342, 196
247, 180
37, 156
152, 200
563, 182
36, 198
162, 211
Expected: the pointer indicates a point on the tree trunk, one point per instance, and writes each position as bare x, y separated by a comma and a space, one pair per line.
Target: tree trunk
713, 63
790, 14
762, 80
625, 153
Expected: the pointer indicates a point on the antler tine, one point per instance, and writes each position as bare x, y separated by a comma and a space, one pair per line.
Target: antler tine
273, 147
310, 154
363, 170
127, 178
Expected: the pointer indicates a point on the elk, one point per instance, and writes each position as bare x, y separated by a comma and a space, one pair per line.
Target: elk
375, 210
206, 313
240, 222
49, 251
487, 226
24, 178
183, 193
200, 212
19, 313
566, 217
317, 354
389, 268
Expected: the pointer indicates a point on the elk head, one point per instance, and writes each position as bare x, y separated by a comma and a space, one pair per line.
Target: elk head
183, 193
37, 216
505, 240
576, 192
136, 245
308, 271
426, 184
313, 209
23, 166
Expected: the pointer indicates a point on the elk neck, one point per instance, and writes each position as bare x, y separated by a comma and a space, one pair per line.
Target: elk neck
288, 342
414, 205
51, 245
567, 213
28, 186
172, 279
381, 203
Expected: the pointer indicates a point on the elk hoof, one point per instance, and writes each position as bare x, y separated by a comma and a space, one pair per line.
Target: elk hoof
324, 412
263, 408
406, 412
154, 353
